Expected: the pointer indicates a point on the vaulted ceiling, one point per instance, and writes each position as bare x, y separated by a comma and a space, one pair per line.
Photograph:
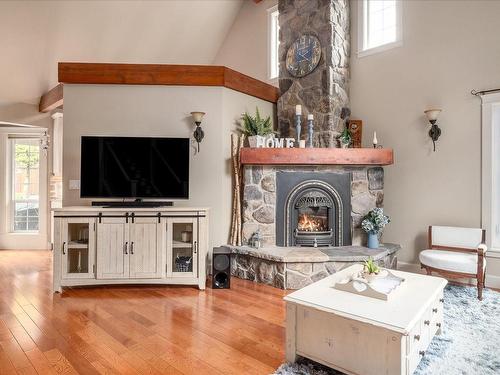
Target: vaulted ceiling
35, 35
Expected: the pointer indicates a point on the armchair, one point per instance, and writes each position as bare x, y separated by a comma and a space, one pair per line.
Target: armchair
456, 253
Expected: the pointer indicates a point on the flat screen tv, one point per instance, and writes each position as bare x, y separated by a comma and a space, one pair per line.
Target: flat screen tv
134, 167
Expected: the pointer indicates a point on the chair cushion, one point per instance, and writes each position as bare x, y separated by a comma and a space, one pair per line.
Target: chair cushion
450, 261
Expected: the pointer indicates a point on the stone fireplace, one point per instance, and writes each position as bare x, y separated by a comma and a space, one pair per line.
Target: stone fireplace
308, 215
307, 204
276, 197
313, 209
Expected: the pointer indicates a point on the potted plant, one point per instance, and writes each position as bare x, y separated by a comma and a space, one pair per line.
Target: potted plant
373, 224
345, 138
255, 127
370, 270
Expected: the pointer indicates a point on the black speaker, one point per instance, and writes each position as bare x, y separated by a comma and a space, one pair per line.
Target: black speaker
221, 268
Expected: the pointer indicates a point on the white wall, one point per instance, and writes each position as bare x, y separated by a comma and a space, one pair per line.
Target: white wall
162, 111
449, 48
245, 48
36, 35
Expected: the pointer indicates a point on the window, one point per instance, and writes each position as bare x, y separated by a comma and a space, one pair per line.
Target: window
379, 25
273, 37
491, 170
25, 154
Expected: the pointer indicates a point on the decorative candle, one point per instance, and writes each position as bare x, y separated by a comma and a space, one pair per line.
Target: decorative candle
302, 143
375, 141
298, 109
310, 129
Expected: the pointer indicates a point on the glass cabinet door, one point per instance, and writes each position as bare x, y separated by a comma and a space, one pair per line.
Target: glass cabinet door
182, 247
78, 248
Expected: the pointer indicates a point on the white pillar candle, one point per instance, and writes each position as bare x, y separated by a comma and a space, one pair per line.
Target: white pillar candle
298, 109
310, 116
302, 143
375, 141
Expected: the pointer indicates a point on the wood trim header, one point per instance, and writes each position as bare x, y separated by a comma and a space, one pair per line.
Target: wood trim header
158, 74
316, 156
51, 99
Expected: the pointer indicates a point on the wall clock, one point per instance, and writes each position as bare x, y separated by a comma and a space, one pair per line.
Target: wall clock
303, 55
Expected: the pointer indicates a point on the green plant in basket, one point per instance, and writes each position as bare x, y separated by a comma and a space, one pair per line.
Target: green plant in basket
371, 267
256, 125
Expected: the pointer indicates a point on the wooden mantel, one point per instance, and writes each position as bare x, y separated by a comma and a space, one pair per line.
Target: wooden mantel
155, 74
316, 156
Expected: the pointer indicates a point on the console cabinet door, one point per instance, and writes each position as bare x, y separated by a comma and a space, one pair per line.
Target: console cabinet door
182, 247
77, 248
146, 258
112, 249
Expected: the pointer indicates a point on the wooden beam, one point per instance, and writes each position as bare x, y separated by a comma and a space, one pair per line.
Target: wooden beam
51, 99
251, 86
316, 156
156, 74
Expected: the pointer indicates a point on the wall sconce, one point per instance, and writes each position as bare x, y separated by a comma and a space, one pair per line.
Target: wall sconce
434, 132
198, 132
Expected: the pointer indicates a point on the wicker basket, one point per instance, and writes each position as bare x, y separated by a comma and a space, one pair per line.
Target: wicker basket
183, 264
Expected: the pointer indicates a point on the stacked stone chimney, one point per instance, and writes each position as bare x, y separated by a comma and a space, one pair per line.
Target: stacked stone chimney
324, 91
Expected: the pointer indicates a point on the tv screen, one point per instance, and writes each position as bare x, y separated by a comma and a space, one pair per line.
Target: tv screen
132, 167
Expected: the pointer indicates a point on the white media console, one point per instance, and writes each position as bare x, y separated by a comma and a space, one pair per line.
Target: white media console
96, 246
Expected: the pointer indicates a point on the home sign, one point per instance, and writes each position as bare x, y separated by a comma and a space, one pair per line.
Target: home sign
272, 142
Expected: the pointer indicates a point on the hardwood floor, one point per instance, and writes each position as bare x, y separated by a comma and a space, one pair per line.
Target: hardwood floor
134, 330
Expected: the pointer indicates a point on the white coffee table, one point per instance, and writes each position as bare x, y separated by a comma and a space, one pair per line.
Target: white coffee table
362, 335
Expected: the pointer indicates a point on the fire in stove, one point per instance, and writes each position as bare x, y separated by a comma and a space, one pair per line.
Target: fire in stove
311, 223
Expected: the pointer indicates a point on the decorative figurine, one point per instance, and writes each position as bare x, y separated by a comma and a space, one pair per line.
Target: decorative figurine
255, 240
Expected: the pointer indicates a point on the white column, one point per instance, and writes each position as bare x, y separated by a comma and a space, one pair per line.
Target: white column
57, 143
57, 155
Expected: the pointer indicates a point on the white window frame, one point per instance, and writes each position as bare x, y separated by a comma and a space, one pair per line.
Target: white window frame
489, 165
273, 44
363, 32
12, 200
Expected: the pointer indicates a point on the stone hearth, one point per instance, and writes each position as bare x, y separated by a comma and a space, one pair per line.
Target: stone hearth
296, 267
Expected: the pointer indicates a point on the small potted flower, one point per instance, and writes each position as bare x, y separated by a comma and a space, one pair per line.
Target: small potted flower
255, 127
345, 138
370, 270
373, 224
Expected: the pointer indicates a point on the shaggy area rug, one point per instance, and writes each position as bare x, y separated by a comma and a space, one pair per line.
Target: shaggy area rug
469, 344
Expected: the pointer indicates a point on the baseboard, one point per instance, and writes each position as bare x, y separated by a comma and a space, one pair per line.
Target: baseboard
410, 267
492, 281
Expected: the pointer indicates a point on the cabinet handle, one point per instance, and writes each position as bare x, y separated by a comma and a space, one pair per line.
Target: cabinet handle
132, 248
64, 244
125, 248
195, 247
441, 300
417, 337
438, 325
422, 352
434, 310
427, 322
